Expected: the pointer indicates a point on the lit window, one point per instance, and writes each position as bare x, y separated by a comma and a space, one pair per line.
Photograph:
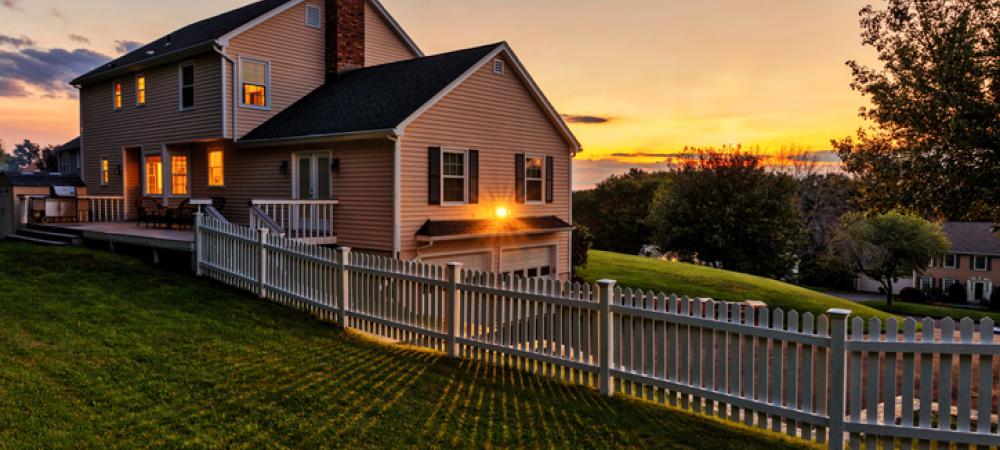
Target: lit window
216, 174
105, 176
187, 87
154, 169
140, 90
981, 263
533, 178
179, 175
255, 80
118, 95
453, 176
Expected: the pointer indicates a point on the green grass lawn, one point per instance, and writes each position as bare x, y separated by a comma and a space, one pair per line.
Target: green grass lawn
919, 311
102, 351
699, 281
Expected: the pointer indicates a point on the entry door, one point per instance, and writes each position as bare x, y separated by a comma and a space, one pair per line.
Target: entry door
311, 182
980, 291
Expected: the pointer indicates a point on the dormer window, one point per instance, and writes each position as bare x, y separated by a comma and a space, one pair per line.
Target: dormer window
313, 17
255, 79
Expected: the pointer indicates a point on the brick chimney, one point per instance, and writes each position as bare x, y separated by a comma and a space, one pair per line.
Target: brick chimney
345, 36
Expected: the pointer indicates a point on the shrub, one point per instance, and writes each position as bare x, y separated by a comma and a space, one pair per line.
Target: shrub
995, 299
935, 294
956, 294
583, 240
912, 295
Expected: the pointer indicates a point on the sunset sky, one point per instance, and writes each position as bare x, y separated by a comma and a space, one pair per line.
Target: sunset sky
650, 76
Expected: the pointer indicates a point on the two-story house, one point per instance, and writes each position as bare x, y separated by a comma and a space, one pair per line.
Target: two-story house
974, 247
295, 105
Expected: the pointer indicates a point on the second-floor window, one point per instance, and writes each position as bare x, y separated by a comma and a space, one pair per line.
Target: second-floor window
256, 83
118, 95
187, 87
981, 263
140, 90
533, 178
216, 172
453, 176
950, 261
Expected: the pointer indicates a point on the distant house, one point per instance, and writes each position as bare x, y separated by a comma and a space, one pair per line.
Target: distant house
974, 246
69, 157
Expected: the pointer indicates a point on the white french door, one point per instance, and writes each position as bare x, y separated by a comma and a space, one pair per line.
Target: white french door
310, 181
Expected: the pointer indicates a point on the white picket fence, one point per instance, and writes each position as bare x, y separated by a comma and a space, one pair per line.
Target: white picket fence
875, 385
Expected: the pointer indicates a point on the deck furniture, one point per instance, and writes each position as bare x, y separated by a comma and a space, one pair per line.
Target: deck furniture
181, 216
150, 211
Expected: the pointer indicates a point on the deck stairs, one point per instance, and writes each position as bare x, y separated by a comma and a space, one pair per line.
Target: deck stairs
47, 235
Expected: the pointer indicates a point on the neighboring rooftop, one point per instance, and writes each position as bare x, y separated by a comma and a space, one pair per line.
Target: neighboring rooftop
71, 145
370, 99
444, 229
973, 238
41, 179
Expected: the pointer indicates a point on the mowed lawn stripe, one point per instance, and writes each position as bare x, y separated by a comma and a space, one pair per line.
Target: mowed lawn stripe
103, 351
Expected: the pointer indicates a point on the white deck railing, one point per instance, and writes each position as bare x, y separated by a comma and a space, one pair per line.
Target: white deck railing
105, 208
308, 221
89, 208
874, 385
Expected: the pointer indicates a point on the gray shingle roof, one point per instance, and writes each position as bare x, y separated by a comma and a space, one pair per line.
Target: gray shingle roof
41, 179
198, 33
972, 238
71, 145
372, 98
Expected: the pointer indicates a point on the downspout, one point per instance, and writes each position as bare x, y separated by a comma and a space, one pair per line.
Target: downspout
397, 186
221, 51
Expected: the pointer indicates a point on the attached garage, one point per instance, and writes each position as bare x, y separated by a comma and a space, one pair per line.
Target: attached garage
481, 261
529, 262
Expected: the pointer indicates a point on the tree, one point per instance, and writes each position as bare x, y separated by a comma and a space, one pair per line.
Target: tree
615, 210
26, 155
48, 160
583, 240
823, 200
4, 157
885, 247
933, 147
726, 207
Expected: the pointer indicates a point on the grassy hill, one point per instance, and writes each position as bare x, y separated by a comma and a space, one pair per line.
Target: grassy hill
698, 281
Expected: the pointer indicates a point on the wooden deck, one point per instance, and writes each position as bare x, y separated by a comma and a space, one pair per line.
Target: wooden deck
130, 234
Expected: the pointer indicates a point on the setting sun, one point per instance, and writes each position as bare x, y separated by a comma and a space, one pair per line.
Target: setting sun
502, 212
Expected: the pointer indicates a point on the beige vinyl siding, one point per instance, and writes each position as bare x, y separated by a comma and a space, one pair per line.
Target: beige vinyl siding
382, 44
105, 132
364, 217
497, 116
295, 52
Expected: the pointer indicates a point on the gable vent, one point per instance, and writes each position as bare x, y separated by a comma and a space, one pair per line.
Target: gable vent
313, 16
498, 66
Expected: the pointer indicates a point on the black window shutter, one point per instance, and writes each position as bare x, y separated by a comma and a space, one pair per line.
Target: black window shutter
958, 261
434, 176
550, 179
473, 177
519, 177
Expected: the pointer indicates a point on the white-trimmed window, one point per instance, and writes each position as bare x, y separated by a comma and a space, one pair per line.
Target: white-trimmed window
255, 82
454, 180
105, 172
154, 175
179, 175
980, 263
534, 179
926, 283
947, 283
216, 169
950, 261
140, 90
313, 16
118, 95
187, 86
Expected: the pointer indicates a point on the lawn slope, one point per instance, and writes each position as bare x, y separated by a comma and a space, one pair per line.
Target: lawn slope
699, 281
102, 351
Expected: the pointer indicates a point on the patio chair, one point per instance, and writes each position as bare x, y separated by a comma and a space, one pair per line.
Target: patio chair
150, 211
182, 216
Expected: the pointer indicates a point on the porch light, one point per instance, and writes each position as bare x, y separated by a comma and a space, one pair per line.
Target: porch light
502, 212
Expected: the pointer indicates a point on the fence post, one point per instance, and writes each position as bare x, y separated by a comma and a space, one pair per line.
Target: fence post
343, 285
262, 262
838, 378
198, 217
605, 333
452, 308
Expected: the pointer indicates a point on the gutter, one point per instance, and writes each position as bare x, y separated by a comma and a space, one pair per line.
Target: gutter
319, 138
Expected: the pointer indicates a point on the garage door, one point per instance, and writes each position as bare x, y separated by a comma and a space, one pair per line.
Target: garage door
482, 262
529, 262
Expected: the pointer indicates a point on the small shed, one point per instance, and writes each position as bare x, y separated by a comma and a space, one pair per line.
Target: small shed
14, 186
